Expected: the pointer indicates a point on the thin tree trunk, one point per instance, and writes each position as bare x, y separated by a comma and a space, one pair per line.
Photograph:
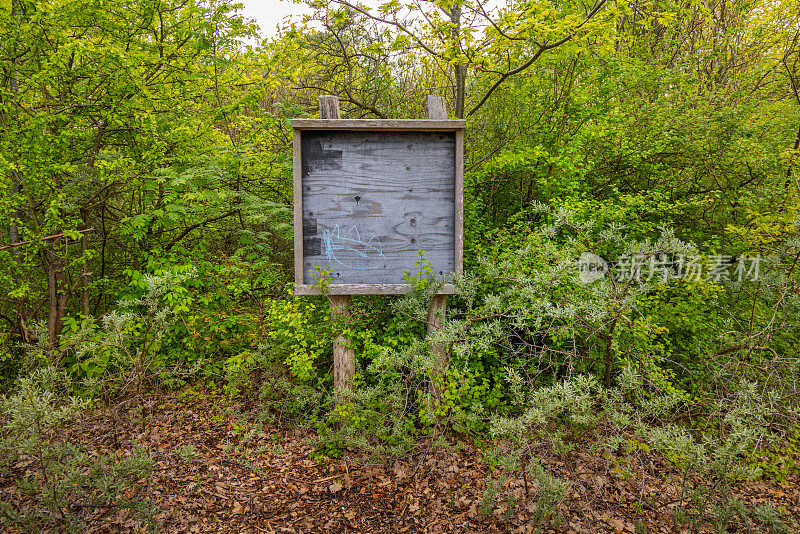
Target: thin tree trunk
52, 298
84, 280
63, 297
790, 169
57, 293
14, 234
459, 69
102, 254
13, 86
13, 229
608, 354
84, 271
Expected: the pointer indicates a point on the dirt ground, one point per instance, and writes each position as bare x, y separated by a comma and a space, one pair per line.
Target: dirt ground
274, 483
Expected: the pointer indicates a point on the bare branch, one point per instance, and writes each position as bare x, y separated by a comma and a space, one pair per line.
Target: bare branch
47, 238
188, 229
394, 23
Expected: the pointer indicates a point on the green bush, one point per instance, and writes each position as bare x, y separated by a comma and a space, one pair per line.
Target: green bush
122, 354
63, 477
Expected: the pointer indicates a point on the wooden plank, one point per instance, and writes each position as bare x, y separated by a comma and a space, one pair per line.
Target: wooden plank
297, 198
459, 237
365, 289
379, 124
372, 200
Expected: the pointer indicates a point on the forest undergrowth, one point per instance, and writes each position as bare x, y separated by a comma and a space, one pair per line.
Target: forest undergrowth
537, 428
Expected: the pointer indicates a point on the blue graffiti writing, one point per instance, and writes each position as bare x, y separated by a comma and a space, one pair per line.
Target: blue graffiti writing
350, 250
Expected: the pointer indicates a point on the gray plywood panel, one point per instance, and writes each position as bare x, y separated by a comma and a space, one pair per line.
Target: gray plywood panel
371, 200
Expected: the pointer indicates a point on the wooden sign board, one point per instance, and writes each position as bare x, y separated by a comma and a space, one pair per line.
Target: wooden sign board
369, 195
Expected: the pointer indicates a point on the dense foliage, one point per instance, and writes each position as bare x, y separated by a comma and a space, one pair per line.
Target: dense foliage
145, 173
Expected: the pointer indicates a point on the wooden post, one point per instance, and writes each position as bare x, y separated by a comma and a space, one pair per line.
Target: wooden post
438, 307
344, 367
328, 107
437, 111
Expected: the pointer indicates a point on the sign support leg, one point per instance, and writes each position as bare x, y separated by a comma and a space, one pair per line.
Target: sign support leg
438, 307
344, 368
436, 316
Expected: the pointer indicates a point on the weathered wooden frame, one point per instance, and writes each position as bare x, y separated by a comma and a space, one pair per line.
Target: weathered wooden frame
377, 125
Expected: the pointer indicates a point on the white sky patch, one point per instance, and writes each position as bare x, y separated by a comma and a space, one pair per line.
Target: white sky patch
270, 14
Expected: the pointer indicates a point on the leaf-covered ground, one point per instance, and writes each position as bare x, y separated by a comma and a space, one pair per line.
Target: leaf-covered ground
268, 482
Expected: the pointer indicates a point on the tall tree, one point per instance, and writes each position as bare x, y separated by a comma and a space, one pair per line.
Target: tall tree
466, 38
94, 98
